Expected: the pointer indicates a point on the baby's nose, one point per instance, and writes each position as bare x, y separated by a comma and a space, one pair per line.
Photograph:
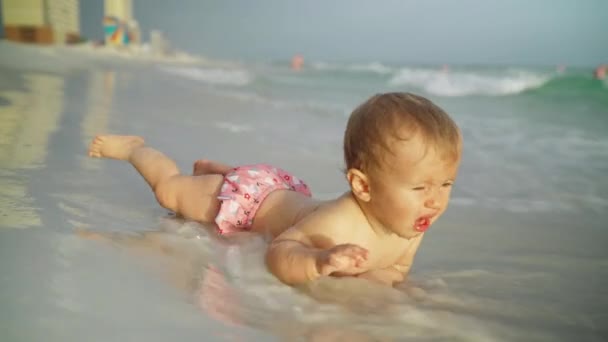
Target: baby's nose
432, 201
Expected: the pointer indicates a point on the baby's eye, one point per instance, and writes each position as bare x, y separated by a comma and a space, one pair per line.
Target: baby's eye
419, 188
447, 184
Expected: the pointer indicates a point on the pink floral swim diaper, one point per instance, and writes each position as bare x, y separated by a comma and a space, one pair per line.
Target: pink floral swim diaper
245, 188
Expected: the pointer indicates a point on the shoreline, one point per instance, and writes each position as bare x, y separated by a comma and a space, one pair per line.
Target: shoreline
80, 55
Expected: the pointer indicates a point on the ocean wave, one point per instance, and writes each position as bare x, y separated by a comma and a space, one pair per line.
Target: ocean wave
374, 67
465, 83
316, 107
574, 86
219, 76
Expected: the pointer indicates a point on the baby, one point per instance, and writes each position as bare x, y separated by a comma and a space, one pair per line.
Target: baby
402, 154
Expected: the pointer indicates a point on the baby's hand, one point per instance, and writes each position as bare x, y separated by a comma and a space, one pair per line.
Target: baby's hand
345, 258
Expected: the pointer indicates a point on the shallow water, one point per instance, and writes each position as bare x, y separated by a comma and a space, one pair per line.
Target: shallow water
520, 254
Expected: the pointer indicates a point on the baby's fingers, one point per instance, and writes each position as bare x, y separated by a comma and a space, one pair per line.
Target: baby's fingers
353, 251
341, 262
350, 255
343, 258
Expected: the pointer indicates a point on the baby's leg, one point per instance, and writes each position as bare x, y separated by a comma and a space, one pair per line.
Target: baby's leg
206, 167
194, 197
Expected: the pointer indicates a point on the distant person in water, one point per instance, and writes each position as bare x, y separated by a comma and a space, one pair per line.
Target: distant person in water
402, 154
600, 72
297, 62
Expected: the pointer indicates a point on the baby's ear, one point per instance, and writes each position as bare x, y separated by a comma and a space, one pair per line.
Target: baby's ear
359, 184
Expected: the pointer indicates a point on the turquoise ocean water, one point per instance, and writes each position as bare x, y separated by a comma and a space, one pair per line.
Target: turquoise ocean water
519, 255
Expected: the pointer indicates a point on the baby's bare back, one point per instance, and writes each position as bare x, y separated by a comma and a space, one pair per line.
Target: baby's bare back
281, 210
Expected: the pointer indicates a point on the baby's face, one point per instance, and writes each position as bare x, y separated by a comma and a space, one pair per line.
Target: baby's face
413, 188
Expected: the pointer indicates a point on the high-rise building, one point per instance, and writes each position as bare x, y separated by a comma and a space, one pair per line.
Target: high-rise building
119, 9
41, 21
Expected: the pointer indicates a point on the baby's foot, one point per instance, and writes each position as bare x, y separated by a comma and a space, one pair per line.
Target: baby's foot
202, 167
114, 146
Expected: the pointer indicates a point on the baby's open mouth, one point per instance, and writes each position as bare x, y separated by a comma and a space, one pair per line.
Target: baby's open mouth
422, 224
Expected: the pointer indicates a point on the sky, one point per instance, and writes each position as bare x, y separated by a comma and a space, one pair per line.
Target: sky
511, 32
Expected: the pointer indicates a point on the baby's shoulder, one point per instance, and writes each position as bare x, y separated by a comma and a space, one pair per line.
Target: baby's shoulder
337, 215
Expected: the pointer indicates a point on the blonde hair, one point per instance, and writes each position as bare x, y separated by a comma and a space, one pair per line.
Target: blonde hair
384, 118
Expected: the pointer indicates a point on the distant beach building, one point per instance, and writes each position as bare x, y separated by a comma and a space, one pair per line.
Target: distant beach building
120, 9
119, 26
41, 21
159, 46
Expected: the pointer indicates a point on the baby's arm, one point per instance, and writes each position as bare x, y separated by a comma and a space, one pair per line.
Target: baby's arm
306, 252
292, 258
397, 272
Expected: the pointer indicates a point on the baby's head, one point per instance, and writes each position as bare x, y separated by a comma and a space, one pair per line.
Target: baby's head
402, 153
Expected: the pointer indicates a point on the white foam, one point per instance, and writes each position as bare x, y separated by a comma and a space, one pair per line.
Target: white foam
463, 83
221, 76
232, 127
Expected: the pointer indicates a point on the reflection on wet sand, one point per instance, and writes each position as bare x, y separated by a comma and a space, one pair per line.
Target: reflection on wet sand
216, 297
187, 260
31, 113
29, 120
222, 301
16, 209
29, 117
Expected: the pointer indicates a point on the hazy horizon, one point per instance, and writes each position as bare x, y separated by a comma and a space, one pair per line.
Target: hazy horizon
473, 32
